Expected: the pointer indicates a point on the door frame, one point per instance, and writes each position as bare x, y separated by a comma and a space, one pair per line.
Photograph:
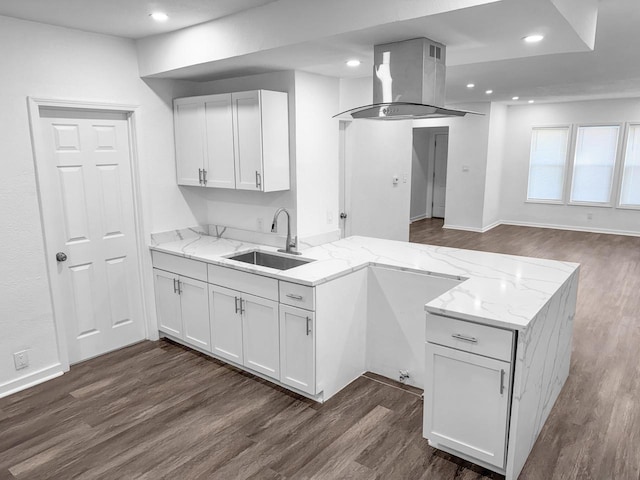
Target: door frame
434, 141
132, 114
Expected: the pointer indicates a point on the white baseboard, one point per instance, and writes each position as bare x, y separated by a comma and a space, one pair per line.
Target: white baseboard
629, 233
419, 217
459, 227
30, 380
543, 225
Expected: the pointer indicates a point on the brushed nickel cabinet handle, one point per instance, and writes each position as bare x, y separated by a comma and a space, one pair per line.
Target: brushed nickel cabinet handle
204, 176
308, 326
502, 372
200, 176
258, 180
465, 338
175, 290
236, 304
294, 296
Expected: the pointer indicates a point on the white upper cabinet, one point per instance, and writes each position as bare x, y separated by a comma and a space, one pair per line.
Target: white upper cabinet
219, 137
233, 140
190, 147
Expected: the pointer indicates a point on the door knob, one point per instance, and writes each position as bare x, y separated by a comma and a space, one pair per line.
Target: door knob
61, 256
343, 215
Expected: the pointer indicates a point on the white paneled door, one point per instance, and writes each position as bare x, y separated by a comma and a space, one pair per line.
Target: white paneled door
84, 172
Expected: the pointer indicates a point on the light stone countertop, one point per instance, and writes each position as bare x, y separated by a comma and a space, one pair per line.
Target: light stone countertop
500, 290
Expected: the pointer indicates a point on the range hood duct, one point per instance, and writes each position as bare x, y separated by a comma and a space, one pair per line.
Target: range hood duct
408, 83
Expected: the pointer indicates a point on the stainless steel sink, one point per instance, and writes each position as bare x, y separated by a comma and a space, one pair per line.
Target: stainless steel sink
264, 259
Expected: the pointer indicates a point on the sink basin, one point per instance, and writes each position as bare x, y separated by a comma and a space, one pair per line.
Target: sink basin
264, 259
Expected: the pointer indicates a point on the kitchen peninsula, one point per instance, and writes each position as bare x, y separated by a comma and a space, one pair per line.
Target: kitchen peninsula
492, 355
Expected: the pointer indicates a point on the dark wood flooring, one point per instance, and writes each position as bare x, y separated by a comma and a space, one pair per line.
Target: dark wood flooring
157, 410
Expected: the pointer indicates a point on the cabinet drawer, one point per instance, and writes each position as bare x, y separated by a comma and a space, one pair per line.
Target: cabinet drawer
250, 283
296, 295
180, 265
470, 337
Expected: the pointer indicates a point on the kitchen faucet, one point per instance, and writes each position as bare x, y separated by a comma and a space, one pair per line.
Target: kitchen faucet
290, 246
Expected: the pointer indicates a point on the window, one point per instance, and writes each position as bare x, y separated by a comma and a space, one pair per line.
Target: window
630, 192
547, 163
594, 163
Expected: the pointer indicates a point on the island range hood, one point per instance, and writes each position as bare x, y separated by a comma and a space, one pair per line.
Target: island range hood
408, 83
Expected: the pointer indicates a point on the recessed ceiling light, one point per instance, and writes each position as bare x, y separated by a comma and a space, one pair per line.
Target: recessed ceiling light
470, 85
531, 101
515, 98
159, 16
533, 38
353, 63
489, 92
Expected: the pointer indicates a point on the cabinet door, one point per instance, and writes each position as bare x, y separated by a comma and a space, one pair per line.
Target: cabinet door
220, 165
167, 303
188, 117
297, 348
247, 140
260, 335
226, 323
194, 304
466, 403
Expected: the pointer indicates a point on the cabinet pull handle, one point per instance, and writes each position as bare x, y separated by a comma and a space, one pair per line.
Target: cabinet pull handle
258, 180
294, 296
175, 290
241, 306
204, 176
502, 381
200, 176
465, 338
179, 287
308, 326
236, 304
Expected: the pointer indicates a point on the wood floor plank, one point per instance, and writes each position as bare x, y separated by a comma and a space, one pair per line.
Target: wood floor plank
157, 410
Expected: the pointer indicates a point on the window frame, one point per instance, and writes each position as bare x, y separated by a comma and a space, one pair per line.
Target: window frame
623, 158
614, 196
569, 128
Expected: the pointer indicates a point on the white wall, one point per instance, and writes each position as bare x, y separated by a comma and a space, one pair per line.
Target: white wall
376, 151
240, 208
520, 120
52, 62
317, 160
313, 150
468, 144
495, 164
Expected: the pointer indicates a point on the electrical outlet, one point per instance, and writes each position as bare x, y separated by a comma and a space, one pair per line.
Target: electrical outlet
404, 178
21, 359
260, 224
329, 217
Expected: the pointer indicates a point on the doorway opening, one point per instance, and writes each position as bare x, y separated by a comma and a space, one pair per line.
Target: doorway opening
429, 173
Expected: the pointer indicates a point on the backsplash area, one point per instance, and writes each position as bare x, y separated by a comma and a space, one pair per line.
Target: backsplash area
261, 238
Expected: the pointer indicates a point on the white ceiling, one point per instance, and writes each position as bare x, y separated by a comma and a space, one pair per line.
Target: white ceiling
124, 18
484, 45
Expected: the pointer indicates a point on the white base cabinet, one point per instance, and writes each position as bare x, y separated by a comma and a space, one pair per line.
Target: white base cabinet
467, 396
245, 330
298, 348
226, 323
466, 403
183, 308
260, 335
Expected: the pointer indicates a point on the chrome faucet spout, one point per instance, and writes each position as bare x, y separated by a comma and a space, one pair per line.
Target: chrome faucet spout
290, 246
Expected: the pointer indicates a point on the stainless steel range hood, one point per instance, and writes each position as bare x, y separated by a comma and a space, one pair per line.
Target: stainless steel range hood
408, 83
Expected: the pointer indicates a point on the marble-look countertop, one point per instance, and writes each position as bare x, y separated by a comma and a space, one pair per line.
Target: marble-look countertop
500, 290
